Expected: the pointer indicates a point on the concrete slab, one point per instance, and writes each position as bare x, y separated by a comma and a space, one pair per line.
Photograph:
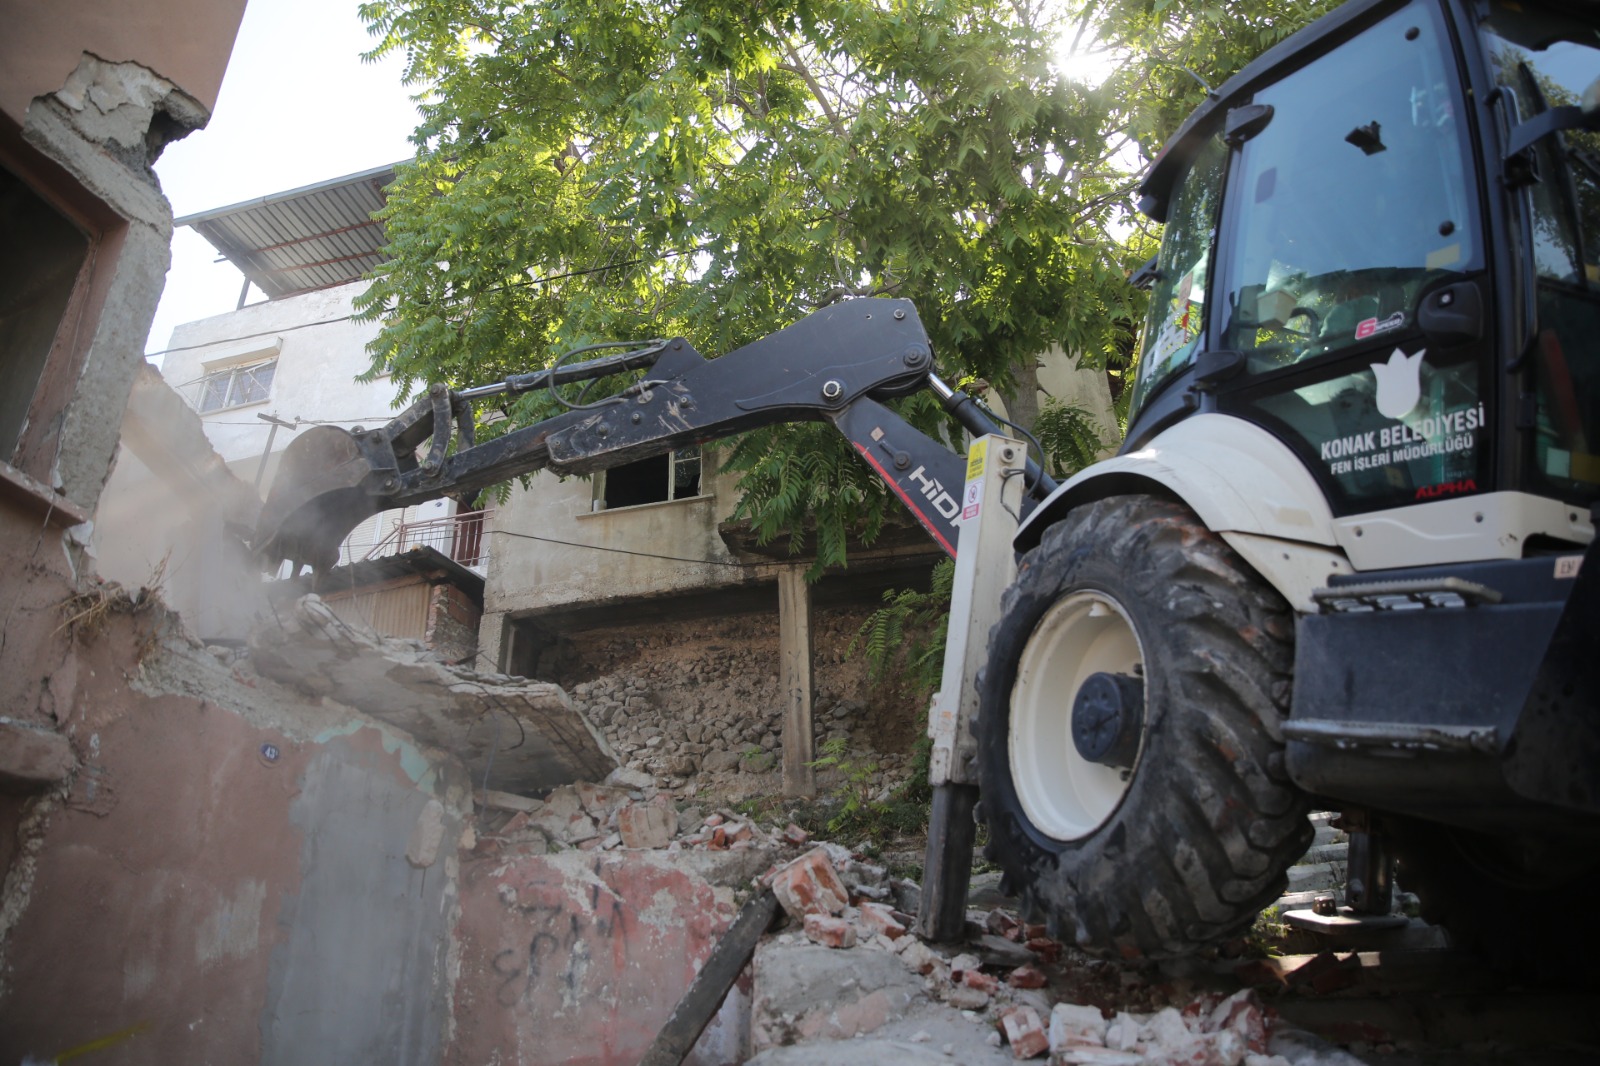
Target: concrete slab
522, 736
580, 957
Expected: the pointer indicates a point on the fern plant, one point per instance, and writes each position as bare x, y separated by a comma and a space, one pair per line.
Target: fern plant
1069, 435
905, 637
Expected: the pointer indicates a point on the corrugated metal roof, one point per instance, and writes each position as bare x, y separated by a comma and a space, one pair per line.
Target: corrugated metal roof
304, 239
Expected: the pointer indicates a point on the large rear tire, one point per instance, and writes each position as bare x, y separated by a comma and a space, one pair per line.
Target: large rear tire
1184, 846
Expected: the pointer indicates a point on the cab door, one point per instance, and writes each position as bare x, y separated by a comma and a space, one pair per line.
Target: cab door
1353, 280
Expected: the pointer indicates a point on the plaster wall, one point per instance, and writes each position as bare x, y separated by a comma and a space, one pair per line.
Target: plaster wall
1061, 378
319, 349
588, 556
235, 873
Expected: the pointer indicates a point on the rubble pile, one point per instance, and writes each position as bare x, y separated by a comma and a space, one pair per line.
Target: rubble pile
1008, 981
629, 812
700, 709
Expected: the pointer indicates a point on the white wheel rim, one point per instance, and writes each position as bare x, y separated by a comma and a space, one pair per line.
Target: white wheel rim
1063, 794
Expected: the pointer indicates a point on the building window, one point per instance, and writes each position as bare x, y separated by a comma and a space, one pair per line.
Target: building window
674, 476
233, 386
45, 253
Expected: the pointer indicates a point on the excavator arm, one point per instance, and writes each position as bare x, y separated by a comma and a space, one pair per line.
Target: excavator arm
836, 365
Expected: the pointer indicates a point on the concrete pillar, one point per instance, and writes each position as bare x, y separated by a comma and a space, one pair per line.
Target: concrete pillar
491, 643
794, 651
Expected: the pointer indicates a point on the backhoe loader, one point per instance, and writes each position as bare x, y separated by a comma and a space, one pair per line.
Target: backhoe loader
1345, 556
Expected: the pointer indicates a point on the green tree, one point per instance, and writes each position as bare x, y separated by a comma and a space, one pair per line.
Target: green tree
592, 169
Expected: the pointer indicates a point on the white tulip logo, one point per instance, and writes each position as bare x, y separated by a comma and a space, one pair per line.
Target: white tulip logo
1399, 383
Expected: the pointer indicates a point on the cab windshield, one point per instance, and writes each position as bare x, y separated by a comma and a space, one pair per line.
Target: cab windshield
1352, 200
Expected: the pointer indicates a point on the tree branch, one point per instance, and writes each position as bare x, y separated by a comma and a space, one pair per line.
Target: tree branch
795, 66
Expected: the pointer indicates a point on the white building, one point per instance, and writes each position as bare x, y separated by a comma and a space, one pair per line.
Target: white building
259, 375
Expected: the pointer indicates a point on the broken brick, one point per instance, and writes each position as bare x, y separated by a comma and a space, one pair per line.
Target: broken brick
1000, 923
1048, 950
793, 834
809, 885
978, 979
1072, 1025
963, 998
919, 957
1024, 1032
1026, 977
829, 931
1241, 1013
645, 825
878, 919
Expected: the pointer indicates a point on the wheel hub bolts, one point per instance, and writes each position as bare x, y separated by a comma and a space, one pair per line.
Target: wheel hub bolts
1106, 717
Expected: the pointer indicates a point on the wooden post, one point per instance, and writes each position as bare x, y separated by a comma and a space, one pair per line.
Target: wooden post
794, 650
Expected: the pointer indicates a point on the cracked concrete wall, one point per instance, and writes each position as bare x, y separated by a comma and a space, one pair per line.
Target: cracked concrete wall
185, 41
104, 127
234, 873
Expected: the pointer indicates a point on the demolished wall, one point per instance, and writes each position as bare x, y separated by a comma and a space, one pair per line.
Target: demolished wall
234, 872
697, 705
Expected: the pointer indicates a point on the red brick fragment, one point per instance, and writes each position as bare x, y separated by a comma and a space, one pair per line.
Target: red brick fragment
981, 981
1024, 1032
829, 931
1026, 977
1241, 1013
793, 834
878, 919
1048, 950
809, 885
1000, 923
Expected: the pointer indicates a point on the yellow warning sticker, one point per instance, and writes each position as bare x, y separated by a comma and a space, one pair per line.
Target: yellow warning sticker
975, 457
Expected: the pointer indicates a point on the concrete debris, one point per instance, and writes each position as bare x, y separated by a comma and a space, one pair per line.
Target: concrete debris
526, 737
829, 931
647, 825
32, 758
805, 992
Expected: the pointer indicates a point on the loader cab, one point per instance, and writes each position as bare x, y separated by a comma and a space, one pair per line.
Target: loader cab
1382, 245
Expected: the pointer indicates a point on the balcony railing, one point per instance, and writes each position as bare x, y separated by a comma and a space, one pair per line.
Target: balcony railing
458, 536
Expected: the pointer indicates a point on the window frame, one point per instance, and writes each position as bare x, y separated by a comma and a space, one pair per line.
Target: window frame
232, 372
597, 499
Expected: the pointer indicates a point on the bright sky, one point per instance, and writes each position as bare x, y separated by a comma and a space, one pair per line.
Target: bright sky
297, 107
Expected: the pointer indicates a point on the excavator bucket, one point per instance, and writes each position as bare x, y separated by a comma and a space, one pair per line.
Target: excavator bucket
317, 498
